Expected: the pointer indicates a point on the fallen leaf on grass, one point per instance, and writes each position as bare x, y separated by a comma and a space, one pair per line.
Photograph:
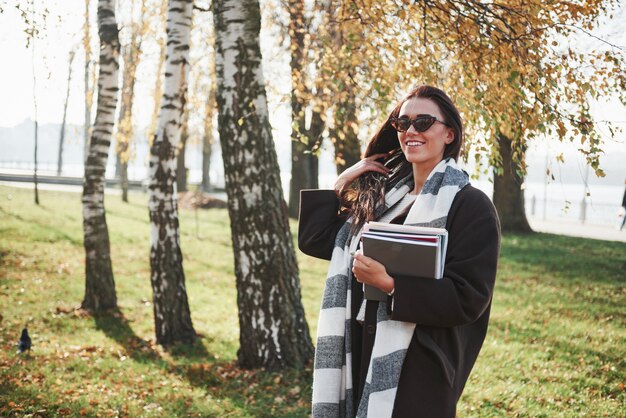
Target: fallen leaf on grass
63, 310
81, 313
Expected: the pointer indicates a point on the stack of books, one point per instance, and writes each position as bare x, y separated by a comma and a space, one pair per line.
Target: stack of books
404, 250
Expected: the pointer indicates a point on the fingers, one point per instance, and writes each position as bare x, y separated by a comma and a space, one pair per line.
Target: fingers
377, 156
371, 165
363, 166
361, 260
360, 265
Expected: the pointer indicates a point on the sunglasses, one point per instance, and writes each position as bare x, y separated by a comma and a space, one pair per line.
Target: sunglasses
421, 123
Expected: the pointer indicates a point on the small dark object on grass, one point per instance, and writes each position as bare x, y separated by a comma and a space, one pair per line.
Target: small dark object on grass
24, 343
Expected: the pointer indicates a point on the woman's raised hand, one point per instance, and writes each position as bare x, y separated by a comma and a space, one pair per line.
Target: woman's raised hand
366, 164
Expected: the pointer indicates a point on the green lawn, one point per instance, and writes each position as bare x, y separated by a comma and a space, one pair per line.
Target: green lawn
556, 344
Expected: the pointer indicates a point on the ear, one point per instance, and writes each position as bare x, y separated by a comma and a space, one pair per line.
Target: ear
449, 136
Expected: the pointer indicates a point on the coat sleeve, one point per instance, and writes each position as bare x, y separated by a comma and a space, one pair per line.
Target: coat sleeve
319, 221
465, 291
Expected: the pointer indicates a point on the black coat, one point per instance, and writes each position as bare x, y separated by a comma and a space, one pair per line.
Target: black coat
451, 314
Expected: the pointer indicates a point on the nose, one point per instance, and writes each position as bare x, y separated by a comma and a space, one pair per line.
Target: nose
411, 130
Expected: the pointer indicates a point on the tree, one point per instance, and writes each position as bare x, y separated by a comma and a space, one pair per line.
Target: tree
171, 308
89, 79
158, 87
508, 65
273, 331
33, 23
67, 96
508, 196
131, 54
99, 282
339, 65
181, 170
207, 137
304, 142
33, 34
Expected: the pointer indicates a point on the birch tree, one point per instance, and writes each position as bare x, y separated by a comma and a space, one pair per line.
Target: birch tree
99, 282
171, 308
273, 331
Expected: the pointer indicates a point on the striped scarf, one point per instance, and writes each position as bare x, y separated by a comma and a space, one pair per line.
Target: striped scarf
333, 388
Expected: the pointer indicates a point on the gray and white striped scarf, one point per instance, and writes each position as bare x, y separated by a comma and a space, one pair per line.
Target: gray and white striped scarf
333, 387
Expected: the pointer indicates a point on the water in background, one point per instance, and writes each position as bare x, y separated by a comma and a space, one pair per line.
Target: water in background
561, 199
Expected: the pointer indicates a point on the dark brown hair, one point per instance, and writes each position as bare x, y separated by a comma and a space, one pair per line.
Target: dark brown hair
367, 192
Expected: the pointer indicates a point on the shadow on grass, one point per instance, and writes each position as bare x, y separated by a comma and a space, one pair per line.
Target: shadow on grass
116, 327
13, 396
255, 391
574, 259
259, 392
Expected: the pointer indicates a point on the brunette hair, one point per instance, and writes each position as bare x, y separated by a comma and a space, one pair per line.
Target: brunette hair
367, 192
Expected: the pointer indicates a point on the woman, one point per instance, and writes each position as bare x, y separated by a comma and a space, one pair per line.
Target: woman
411, 355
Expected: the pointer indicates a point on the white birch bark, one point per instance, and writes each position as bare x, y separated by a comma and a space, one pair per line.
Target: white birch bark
273, 331
171, 308
100, 285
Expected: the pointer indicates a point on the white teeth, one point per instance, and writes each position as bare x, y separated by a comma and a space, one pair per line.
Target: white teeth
414, 143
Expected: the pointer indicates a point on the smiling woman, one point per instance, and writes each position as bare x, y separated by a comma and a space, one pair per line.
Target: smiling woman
412, 354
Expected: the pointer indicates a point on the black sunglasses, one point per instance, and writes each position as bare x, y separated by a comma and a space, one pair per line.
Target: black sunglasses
421, 123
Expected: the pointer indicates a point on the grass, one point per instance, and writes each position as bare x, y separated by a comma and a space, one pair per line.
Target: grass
556, 344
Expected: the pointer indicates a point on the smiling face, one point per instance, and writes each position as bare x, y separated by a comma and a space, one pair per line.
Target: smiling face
424, 149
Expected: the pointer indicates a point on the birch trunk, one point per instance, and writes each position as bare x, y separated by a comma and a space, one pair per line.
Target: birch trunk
273, 330
100, 285
171, 308
508, 195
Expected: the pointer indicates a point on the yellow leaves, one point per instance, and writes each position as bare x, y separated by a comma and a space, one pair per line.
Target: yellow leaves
508, 73
561, 128
560, 158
